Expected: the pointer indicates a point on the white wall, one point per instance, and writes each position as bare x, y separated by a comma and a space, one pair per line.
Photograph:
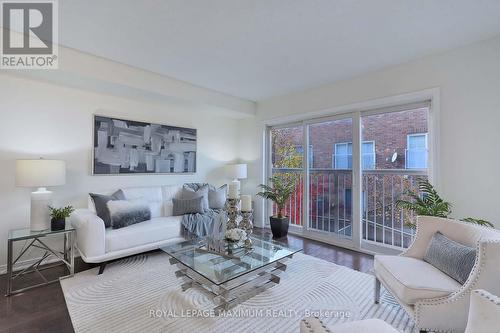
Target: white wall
469, 82
42, 119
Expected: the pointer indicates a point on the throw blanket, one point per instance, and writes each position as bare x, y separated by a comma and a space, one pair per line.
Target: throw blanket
201, 224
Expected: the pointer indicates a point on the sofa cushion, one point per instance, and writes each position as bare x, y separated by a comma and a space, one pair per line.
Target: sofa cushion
189, 193
412, 279
170, 192
452, 258
153, 195
101, 205
127, 212
217, 197
154, 230
188, 206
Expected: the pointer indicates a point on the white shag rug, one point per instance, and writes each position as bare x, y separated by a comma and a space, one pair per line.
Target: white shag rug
142, 294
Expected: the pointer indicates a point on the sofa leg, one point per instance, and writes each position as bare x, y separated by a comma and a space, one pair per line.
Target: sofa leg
101, 268
377, 291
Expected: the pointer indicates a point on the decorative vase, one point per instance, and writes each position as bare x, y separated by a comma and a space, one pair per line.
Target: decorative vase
57, 224
279, 226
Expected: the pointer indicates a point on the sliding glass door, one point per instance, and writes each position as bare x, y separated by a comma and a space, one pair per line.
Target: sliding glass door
399, 157
350, 170
330, 177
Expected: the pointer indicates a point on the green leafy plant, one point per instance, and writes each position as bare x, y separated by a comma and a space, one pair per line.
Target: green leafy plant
478, 221
281, 189
427, 202
61, 213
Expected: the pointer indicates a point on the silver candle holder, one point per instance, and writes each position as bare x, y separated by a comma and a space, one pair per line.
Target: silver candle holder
232, 212
247, 225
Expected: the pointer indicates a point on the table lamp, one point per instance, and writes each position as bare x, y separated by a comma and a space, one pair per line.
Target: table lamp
237, 172
40, 173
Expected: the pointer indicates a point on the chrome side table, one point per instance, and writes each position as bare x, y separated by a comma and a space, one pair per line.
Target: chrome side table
37, 239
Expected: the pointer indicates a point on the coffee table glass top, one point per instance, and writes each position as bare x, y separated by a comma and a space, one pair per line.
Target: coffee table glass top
239, 261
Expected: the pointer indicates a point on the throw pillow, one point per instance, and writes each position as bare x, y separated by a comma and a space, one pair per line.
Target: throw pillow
188, 206
127, 212
454, 259
101, 205
188, 193
217, 197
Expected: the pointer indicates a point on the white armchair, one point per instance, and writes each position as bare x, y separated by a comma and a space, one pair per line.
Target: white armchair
435, 301
484, 317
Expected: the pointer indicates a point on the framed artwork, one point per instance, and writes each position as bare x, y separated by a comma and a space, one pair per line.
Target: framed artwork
133, 147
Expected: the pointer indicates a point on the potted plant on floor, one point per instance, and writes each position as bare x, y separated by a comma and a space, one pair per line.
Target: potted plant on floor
281, 188
58, 217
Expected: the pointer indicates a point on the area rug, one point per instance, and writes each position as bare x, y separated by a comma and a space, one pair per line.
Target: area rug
142, 294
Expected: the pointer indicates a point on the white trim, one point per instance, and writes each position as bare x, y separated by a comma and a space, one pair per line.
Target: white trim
357, 182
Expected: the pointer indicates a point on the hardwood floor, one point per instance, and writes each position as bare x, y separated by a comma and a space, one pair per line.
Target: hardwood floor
44, 309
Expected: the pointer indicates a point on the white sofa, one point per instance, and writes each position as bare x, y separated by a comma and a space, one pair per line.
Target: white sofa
98, 244
484, 317
435, 301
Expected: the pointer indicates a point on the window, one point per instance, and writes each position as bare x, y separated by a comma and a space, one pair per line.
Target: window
368, 152
342, 158
416, 152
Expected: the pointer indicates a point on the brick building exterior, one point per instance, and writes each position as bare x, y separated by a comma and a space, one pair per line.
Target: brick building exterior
388, 134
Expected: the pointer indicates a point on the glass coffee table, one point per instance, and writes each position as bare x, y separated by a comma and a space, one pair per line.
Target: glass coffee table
234, 276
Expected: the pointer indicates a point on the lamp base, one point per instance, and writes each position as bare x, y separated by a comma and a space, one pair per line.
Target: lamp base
40, 215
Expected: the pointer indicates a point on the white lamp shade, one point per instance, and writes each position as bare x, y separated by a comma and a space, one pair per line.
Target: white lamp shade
237, 171
40, 173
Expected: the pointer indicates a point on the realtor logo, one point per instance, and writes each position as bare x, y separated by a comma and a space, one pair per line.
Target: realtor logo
29, 34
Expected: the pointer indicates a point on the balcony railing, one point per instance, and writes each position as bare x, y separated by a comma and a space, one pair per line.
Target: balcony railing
330, 203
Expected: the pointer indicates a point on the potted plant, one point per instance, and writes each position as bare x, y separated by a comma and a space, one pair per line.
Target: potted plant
427, 202
281, 188
58, 217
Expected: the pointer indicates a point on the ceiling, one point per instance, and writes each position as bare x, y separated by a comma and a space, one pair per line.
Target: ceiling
257, 49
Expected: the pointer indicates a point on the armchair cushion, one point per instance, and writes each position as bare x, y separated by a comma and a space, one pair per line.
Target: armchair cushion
412, 279
450, 257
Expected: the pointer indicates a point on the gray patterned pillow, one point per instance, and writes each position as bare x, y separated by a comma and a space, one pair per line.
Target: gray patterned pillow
217, 197
188, 206
127, 212
101, 205
454, 259
188, 193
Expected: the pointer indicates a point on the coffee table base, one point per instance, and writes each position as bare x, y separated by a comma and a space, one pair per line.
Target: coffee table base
236, 291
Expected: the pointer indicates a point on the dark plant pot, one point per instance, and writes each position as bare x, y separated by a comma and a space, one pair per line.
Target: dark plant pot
57, 224
279, 226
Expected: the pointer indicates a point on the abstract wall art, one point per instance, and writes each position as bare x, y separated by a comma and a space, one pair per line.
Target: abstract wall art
134, 147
